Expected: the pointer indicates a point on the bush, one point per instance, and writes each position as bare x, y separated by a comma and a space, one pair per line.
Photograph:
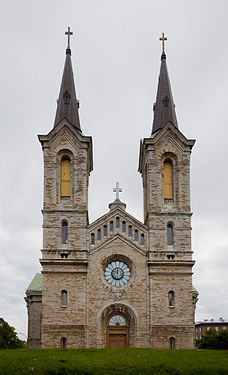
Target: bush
8, 337
214, 340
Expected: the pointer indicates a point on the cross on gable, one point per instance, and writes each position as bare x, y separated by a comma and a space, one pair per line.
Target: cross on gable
68, 33
117, 190
163, 39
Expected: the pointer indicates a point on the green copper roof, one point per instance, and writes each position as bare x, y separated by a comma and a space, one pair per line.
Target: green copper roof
36, 284
194, 290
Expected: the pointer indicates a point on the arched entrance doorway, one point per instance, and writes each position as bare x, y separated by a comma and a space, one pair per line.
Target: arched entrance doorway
117, 330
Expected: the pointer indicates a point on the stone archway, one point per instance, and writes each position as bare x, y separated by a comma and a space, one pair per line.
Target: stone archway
119, 326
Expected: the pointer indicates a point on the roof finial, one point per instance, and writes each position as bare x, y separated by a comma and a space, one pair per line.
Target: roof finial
68, 33
117, 190
163, 39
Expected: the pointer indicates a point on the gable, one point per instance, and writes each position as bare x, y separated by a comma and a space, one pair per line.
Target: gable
118, 223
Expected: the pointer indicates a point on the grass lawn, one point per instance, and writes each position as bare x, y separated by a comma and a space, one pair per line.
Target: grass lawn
113, 361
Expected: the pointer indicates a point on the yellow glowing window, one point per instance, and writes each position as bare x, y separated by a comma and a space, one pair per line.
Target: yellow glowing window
65, 178
168, 180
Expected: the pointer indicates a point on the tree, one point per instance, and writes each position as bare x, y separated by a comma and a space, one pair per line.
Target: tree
214, 340
8, 337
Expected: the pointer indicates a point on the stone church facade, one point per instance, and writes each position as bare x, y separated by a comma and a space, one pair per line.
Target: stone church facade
117, 281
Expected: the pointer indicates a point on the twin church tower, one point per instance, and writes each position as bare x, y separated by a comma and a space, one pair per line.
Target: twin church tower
115, 282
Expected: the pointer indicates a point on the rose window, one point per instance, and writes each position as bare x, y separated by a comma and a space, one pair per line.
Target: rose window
117, 273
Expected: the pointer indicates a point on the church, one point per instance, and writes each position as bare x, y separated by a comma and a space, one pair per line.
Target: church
115, 282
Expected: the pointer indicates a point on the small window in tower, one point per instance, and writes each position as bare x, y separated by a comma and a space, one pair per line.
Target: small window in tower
111, 226
63, 298
99, 234
92, 238
170, 234
64, 232
65, 177
124, 226
172, 343
130, 231
136, 235
117, 222
168, 180
171, 298
142, 239
105, 230
63, 342
66, 97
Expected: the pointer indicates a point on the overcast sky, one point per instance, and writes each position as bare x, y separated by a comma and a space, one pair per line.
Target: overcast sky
116, 60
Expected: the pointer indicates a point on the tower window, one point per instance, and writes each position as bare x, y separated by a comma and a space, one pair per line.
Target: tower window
63, 342
171, 298
63, 298
99, 234
92, 238
142, 239
111, 226
64, 231
65, 177
130, 231
105, 230
168, 180
117, 222
170, 234
172, 343
124, 226
136, 235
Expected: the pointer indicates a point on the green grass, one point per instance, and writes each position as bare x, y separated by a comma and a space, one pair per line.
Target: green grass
113, 361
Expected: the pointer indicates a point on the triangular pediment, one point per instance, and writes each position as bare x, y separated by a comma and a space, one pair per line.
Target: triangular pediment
118, 222
118, 238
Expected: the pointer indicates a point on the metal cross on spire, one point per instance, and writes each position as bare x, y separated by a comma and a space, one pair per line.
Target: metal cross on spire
117, 190
68, 33
163, 39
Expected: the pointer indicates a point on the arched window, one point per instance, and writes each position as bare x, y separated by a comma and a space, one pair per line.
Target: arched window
130, 231
63, 342
124, 226
136, 235
169, 234
65, 177
64, 298
92, 238
117, 222
142, 239
172, 343
168, 179
171, 298
64, 231
105, 230
99, 234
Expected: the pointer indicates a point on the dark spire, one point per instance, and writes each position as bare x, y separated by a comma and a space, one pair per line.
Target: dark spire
164, 108
67, 104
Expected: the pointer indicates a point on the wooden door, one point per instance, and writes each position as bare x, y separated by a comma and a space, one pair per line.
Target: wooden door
118, 340
117, 331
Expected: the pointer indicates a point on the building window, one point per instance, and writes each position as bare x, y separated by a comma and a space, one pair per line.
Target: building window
65, 177
216, 328
208, 328
63, 298
99, 234
111, 226
124, 226
171, 298
136, 235
170, 234
224, 328
105, 230
168, 179
142, 239
130, 231
64, 231
117, 222
172, 343
92, 238
63, 342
